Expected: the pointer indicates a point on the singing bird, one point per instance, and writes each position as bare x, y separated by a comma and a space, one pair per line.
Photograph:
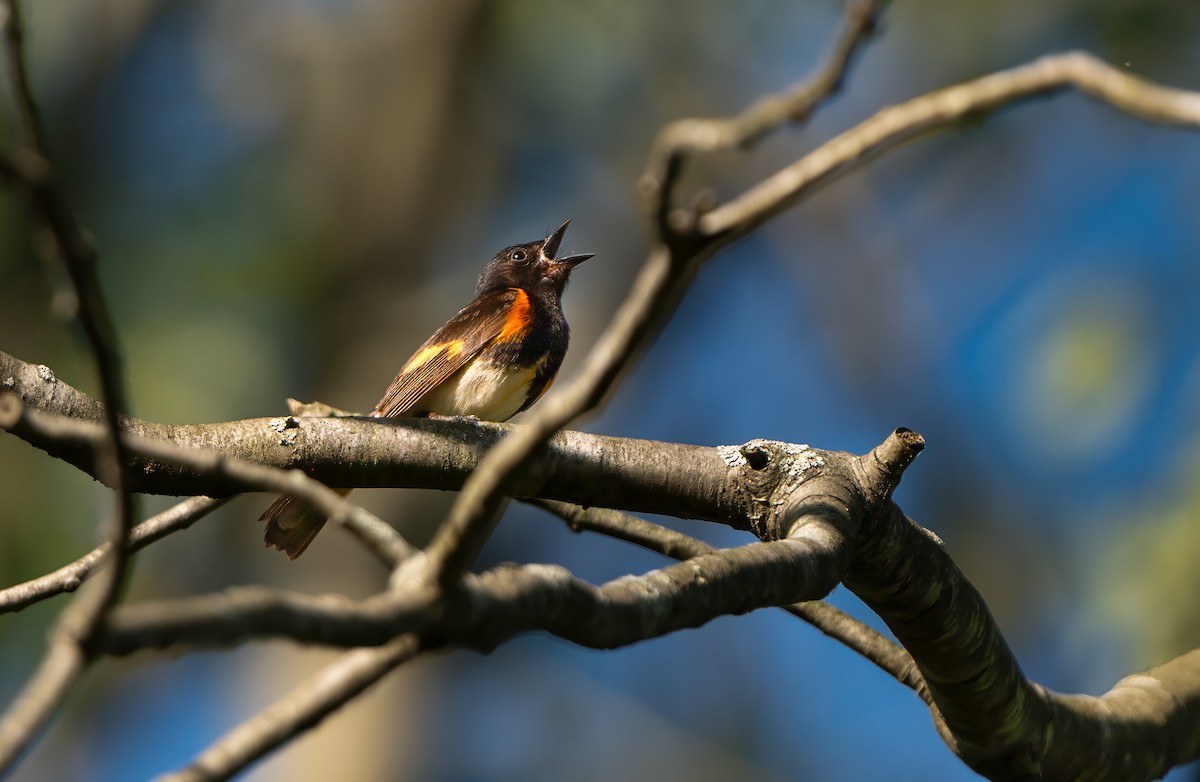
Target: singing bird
492, 360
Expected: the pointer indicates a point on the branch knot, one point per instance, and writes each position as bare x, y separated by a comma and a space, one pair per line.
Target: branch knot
764, 473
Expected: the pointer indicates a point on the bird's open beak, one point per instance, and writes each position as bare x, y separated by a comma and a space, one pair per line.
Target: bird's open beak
552, 243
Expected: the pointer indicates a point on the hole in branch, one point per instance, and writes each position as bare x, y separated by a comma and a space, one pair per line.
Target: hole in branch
756, 456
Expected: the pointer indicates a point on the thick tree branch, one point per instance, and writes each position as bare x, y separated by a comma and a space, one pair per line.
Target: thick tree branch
685, 480
987, 711
488, 609
80, 440
808, 504
1145, 725
999, 722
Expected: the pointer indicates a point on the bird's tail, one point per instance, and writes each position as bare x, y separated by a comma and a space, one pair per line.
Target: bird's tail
292, 524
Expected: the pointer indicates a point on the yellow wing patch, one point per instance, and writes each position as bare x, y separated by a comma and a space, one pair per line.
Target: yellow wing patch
452, 349
502, 315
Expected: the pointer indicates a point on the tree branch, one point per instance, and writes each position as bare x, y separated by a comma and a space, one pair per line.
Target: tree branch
807, 504
841, 627
999, 722
945, 108
1141, 728
78, 440
685, 480
27, 110
487, 609
723, 134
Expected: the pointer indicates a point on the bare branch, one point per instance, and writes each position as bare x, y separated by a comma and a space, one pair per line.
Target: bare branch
999, 722
711, 135
487, 609
29, 712
896, 567
68, 578
945, 108
856, 635
1142, 727
78, 255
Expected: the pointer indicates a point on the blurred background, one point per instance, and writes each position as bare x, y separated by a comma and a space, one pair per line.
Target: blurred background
289, 196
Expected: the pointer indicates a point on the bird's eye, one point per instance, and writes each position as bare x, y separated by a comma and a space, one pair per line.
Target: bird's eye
519, 255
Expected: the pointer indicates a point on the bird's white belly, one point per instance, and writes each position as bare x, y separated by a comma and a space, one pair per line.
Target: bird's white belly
482, 389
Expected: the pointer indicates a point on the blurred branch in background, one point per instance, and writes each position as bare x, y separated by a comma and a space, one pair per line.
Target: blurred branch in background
66, 244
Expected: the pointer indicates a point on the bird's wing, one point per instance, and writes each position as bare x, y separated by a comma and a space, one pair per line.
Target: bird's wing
503, 314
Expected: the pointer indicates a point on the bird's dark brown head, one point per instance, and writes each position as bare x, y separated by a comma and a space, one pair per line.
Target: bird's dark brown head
533, 267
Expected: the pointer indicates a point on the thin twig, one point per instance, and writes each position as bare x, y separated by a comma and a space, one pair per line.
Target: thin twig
857, 636
795, 105
69, 577
945, 108
301, 709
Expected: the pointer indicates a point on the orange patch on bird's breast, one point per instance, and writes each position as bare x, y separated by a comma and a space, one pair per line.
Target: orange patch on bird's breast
452, 349
518, 319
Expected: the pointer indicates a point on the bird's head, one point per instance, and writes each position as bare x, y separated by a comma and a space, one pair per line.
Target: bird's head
533, 267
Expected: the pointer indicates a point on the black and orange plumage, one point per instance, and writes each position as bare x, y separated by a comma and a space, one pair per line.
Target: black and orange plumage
492, 360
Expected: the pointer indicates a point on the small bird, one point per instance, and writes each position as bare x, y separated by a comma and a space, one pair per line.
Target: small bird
492, 360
